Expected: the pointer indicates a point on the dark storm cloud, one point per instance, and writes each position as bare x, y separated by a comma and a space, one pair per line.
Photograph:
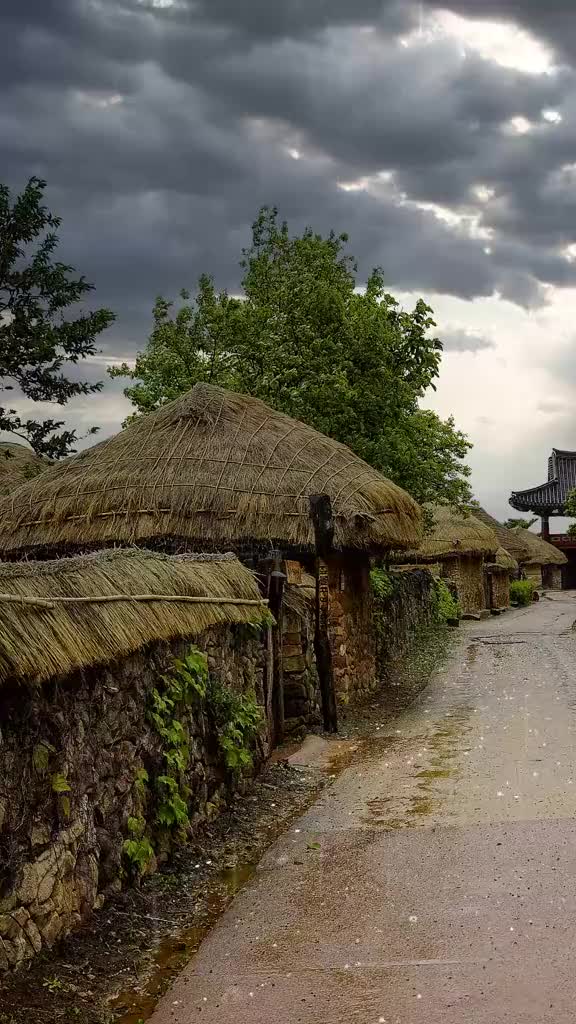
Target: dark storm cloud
455, 339
161, 130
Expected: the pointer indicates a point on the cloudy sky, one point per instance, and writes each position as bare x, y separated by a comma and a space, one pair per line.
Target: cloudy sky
443, 139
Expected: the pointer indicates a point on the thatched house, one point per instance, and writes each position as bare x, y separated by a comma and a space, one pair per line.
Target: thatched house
543, 562
498, 574
18, 464
458, 544
510, 540
90, 690
217, 470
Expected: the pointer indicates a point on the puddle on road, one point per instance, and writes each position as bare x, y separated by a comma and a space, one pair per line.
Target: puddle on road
395, 811
136, 1005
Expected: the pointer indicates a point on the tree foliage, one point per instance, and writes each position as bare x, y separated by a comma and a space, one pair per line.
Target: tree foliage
524, 524
36, 341
354, 365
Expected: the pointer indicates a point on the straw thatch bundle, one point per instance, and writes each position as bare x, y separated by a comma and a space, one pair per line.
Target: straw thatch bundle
539, 552
215, 469
504, 560
508, 539
300, 597
57, 617
18, 464
453, 533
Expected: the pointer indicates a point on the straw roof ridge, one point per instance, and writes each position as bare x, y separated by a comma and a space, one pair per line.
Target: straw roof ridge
65, 566
18, 464
503, 560
74, 613
212, 468
454, 532
539, 552
507, 538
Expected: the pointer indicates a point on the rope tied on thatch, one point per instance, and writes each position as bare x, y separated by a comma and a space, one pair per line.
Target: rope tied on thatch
51, 602
454, 533
71, 614
211, 467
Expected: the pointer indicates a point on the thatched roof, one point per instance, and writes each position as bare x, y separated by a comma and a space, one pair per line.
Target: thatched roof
453, 533
539, 552
60, 616
503, 560
507, 538
18, 464
212, 468
298, 597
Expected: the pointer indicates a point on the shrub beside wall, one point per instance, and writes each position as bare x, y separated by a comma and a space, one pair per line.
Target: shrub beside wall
522, 592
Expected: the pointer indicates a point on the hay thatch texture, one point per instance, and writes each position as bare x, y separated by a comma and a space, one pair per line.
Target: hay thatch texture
212, 468
507, 538
299, 597
504, 561
453, 533
18, 464
539, 552
53, 623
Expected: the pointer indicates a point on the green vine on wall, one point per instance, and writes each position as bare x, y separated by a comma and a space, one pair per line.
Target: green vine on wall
235, 718
187, 683
383, 584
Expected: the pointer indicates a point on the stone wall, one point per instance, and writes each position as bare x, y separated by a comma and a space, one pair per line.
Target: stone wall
351, 627
301, 688
400, 619
61, 842
466, 574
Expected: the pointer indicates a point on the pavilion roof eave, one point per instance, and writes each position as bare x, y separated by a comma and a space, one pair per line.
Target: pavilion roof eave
542, 500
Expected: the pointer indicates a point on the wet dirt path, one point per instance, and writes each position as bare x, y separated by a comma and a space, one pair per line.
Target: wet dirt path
435, 880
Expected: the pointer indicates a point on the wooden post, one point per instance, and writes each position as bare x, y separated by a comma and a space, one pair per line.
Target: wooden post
546, 528
322, 518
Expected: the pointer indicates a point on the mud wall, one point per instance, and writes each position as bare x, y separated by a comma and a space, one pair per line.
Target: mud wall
72, 758
466, 573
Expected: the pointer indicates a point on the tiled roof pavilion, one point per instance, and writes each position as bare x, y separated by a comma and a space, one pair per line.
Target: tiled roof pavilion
548, 499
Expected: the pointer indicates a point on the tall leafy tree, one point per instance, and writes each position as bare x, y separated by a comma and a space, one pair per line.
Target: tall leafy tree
353, 364
36, 338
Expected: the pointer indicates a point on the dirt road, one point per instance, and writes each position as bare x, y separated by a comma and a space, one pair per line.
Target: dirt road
435, 881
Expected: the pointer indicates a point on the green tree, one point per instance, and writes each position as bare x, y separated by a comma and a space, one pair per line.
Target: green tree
570, 510
36, 341
524, 524
195, 344
354, 365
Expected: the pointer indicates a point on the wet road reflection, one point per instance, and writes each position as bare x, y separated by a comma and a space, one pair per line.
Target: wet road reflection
435, 881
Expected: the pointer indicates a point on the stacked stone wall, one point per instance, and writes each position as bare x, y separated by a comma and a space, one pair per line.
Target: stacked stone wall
71, 757
351, 626
301, 688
